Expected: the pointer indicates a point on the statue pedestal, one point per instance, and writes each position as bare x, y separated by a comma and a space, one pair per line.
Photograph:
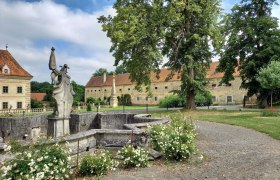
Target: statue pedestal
114, 101
58, 127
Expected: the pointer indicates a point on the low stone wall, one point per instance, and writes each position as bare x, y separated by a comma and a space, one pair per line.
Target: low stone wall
83, 122
87, 139
19, 127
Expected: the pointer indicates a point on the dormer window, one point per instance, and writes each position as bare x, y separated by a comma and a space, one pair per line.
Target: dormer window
5, 69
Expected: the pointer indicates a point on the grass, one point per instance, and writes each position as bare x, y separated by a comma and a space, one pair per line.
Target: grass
248, 119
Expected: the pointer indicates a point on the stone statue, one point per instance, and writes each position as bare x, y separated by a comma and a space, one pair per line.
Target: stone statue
62, 88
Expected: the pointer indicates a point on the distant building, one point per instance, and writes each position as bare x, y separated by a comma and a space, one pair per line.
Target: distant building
14, 83
101, 86
38, 96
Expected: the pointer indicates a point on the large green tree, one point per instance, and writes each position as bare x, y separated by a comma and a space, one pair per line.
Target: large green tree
144, 31
252, 41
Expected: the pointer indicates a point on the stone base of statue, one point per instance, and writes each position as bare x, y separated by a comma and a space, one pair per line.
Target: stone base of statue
114, 101
58, 127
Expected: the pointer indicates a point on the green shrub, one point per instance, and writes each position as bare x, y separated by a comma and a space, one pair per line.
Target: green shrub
203, 98
97, 164
41, 162
133, 157
269, 113
36, 104
171, 101
89, 107
175, 140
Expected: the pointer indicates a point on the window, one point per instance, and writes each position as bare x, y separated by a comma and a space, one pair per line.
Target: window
138, 98
90, 90
229, 99
99, 90
147, 98
19, 105
5, 89
5, 105
166, 87
155, 87
120, 89
156, 98
94, 90
105, 90
128, 89
214, 98
6, 71
19, 89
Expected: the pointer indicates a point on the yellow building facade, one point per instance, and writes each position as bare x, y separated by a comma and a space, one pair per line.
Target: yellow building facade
14, 83
101, 87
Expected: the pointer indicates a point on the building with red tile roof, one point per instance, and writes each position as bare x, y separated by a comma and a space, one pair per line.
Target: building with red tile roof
38, 96
14, 83
101, 86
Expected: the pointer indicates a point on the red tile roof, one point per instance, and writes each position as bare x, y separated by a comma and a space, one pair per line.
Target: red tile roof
123, 79
38, 96
15, 69
211, 73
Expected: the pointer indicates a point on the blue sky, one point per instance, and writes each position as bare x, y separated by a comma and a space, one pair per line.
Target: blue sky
32, 27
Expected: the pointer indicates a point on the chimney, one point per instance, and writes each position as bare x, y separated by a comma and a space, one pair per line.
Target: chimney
104, 77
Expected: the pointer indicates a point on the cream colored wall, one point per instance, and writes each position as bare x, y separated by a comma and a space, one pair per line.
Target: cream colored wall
12, 97
159, 93
220, 92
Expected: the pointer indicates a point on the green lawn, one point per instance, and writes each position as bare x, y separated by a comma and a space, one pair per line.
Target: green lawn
252, 120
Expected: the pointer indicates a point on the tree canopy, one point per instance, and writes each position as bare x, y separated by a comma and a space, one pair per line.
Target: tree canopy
269, 77
252, 40
143, 32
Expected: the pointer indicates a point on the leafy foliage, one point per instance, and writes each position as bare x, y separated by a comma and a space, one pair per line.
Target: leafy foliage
42, 162
125, 99
79, 93
171, 101
252, 41
36, 104
134, 157
175, 140
143, 32
203, 98
269, 77
97, 164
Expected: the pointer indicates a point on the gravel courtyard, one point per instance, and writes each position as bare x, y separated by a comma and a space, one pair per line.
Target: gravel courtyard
230, 152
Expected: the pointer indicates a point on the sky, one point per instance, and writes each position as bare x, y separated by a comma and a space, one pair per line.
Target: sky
32, 27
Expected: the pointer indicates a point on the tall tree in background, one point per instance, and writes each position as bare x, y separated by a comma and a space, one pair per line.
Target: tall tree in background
144, 31
252, 41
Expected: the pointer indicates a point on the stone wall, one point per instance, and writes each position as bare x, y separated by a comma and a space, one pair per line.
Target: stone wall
83, 122
18, 127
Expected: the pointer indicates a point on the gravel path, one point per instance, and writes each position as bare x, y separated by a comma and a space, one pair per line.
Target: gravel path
231, 152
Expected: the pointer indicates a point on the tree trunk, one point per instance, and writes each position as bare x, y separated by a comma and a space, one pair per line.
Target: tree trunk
190, 105
263, 102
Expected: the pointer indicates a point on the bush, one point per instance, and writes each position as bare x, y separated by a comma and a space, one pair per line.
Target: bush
269, 113
98, 164
171, 101
36, 104
41, 162
203, 98
175, 140
89, 107
133, 157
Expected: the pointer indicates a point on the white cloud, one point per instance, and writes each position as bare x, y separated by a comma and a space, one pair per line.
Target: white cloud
31, 29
